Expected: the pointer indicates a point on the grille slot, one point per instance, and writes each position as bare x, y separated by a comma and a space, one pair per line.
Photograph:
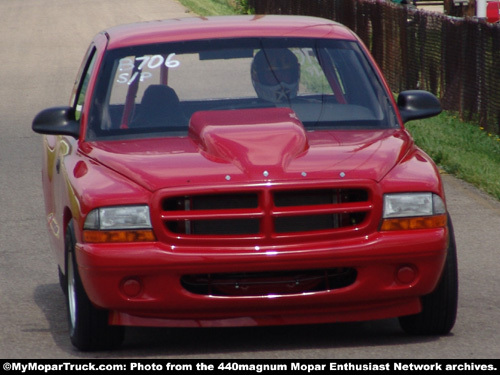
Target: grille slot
316, 222
269, 283
215, 227
211, 202
317, 197
266, 213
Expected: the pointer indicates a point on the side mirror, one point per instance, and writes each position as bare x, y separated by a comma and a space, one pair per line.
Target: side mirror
418, 104
57, 121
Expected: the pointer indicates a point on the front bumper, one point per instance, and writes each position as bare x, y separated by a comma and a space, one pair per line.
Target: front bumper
140, 284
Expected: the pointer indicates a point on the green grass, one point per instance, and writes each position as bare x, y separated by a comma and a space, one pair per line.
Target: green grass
216, 7
461, 149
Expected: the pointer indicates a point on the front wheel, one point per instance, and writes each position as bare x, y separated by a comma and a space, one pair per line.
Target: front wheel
439, 308
88, 326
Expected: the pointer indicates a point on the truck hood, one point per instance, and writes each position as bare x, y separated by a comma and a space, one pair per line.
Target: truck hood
252, 146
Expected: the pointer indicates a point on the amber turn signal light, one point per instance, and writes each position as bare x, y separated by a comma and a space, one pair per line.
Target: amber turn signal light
107, 236
408, 223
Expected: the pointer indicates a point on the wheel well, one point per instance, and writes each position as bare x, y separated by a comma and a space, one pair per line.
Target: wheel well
67, 217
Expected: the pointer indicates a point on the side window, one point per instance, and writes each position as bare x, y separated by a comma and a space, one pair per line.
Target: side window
82, 82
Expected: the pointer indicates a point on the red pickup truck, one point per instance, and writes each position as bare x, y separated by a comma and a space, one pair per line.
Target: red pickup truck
242, 171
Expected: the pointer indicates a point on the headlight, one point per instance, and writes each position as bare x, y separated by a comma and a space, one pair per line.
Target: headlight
412, 204
118, 224
413, 211
122, 217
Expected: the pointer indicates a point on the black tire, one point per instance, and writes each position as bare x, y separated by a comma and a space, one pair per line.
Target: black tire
439, 308
62, 280
88, 326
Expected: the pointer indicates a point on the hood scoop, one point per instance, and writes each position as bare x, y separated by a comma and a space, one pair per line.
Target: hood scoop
251, 139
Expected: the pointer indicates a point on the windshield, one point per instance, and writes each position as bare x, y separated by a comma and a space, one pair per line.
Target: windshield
153, 90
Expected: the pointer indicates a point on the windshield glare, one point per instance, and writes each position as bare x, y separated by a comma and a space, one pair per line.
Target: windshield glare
153, 90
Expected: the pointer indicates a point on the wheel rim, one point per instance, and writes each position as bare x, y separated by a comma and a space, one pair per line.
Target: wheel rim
71, 292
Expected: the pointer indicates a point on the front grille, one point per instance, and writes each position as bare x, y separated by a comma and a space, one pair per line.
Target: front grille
265, 213
269, 283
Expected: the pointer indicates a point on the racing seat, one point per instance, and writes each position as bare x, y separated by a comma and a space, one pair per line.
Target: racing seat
160, 107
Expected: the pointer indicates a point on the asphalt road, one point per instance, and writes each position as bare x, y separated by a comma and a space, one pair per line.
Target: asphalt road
41, 46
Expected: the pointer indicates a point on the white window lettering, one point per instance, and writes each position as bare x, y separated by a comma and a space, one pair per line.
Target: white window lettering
155, 62
144, 60
133, 78
170, 62
132, 71
145, 75
126, 64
